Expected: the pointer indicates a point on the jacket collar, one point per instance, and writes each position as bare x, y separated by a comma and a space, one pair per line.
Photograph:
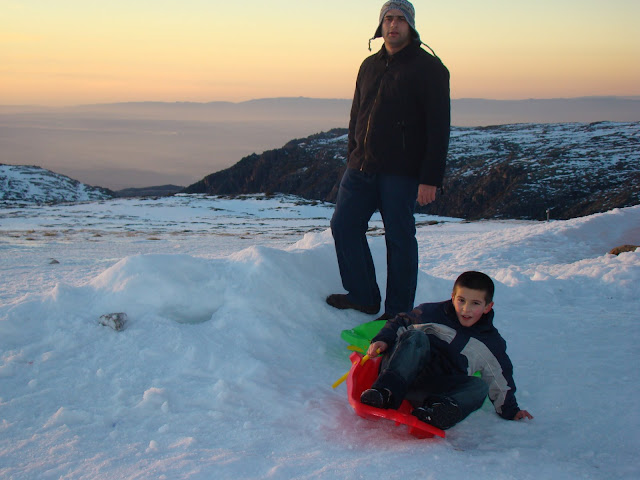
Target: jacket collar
406, 52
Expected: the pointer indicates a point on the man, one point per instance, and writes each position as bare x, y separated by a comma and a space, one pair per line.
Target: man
398, 142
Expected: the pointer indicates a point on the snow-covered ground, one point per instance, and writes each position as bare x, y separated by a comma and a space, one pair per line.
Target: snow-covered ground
225, 368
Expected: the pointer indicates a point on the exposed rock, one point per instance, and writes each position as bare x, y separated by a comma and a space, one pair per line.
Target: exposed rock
117, 321
622, 249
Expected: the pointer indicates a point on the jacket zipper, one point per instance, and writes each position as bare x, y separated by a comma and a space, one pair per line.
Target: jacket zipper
373, 107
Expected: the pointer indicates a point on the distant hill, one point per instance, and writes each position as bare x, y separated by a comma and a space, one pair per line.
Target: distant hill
468, 112
510, 171
159, 191
26, 184
465, 112
35, 185
138, 144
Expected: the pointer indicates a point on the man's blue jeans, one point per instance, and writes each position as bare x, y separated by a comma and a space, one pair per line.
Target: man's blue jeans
359, 196
401, 371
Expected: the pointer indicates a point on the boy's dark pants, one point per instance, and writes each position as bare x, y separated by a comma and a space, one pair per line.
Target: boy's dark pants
400, 372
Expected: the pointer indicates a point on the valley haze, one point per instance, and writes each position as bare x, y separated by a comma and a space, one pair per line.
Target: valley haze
141, 144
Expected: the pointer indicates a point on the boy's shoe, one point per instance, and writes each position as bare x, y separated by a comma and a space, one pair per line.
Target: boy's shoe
376, 398
340, 300
442, 413
386, 316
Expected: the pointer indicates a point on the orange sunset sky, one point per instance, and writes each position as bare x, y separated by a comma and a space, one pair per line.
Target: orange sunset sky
69, 52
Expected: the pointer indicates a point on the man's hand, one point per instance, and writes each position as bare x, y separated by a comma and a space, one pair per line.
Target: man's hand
376, 348
426, 194
523, 414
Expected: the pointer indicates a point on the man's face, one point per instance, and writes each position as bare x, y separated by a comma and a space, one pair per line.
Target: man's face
470, 305
396, 31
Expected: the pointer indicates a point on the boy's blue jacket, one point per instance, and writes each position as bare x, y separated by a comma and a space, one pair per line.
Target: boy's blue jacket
457, 349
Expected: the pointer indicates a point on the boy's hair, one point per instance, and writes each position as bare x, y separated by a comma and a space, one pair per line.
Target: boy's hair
476, 281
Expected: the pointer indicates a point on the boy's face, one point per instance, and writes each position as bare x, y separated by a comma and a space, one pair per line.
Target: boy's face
470, 305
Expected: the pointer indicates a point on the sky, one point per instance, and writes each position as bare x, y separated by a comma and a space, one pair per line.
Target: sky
72, 52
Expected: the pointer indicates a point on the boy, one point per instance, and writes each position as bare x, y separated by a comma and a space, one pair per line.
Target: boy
435, 350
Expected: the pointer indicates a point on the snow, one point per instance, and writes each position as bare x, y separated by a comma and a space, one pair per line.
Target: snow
225, 367
32, 184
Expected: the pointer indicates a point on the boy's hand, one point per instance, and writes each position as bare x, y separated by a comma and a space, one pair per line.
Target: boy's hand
376, 348
523, 414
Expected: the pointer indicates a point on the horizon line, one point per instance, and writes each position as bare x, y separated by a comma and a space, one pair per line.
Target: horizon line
228, 102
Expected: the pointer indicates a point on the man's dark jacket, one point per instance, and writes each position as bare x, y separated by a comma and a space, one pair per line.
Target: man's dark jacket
401, 115
456, 349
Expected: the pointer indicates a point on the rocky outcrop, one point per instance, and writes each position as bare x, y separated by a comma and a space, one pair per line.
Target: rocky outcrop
522, 171
310, 168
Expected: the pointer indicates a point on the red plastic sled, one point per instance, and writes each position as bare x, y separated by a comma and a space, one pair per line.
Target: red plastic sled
362, 377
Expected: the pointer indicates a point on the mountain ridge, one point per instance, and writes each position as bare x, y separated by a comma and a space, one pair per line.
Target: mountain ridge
521, 171
466, 111
139, 144
516, 171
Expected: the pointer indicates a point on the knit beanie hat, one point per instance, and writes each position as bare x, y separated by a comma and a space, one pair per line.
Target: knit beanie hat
407, 10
